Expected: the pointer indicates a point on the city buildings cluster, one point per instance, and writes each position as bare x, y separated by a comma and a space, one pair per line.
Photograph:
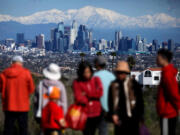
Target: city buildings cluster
80, 39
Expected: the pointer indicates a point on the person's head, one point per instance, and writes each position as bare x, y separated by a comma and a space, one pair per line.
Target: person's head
100, 62
17, 60
54, 93
85, 71
164, 57
52, 72
122, 70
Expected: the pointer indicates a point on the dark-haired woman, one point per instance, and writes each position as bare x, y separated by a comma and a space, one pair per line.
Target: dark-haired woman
87, 91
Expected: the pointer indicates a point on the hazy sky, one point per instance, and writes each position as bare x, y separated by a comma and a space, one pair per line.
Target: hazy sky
126, 7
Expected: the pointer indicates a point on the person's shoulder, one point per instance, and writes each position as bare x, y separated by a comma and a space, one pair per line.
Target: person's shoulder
95, 78
26, 70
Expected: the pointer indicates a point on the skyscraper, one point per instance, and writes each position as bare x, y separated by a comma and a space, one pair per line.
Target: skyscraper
73, 34
81, 38
171, 45
61, 28
20, 38
52, 34
138, 38
40, 41
118, 37
155, 45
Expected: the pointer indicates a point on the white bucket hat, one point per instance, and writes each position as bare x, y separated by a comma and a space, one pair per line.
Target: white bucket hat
52, 72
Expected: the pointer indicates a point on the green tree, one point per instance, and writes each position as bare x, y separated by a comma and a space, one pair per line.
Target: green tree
113, 54
99, 53
131, 61
82, 56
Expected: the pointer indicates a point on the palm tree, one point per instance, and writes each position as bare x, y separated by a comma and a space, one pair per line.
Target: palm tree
99, 53
82, 56
113, 54
131, 61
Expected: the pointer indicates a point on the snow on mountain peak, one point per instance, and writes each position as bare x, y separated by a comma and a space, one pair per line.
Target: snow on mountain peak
96, 17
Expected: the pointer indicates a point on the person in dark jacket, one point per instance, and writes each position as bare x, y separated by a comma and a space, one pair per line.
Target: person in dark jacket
88, 91
125, 101
168, 98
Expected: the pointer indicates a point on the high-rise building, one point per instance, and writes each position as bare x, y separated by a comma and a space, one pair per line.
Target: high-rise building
140, 46
118, 37
138, 39
145, 49
155, 45
81, 38
28, 43
73, 34
20, 38
48, 45
61, 28
165, 45
171, 45
52, 34
40, 43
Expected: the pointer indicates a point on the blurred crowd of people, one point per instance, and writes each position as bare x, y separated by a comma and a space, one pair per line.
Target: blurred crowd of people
106, 97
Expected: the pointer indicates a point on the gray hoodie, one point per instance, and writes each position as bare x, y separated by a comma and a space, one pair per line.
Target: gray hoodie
45, 85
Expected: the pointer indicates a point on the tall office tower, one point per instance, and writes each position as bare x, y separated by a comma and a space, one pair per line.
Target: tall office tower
20, 38
48, 45
133, 44
81, 38
40, 43
171, 45
52, 34
118, 37
165, 45
144, 44
123, 44
75, 26
90, 38
73, 34
140, 46
138, 38
155, 45
61, 28
28, 43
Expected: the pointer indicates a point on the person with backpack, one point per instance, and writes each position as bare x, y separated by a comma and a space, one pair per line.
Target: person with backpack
168, 97
53, 120
126, 105
52, 75
16, 86
106, 78
88, 91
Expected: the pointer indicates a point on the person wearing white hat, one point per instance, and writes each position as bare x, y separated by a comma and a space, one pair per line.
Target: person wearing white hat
52, 75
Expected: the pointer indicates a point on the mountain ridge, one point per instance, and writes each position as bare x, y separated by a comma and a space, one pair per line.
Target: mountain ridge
96, 17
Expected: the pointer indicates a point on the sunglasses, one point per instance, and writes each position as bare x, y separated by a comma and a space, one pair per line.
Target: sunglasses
122, 72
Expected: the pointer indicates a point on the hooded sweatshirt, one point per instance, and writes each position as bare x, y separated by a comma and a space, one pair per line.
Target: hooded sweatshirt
168, 99
16, 85
45, 85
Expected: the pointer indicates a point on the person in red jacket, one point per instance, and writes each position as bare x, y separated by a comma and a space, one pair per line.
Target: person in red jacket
88, 91
16, 85
168, 99
52, 114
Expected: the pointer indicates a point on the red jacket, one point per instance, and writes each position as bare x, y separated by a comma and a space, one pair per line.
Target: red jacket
16, 85
51, 115
88, 93
168, 99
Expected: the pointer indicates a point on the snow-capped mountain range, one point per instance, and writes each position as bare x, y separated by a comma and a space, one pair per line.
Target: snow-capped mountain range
96, 17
